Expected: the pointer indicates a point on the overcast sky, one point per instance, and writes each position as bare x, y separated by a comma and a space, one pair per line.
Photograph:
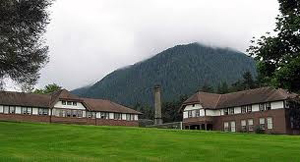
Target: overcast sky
88, 39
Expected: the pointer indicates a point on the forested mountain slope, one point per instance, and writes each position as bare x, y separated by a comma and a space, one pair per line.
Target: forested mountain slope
180, 70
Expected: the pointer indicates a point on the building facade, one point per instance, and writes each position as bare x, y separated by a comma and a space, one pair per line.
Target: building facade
64, 107
243, 111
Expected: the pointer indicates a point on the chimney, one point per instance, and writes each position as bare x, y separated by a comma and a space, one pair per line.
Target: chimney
157, 104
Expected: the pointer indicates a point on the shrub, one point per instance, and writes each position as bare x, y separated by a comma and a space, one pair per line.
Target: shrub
259, 130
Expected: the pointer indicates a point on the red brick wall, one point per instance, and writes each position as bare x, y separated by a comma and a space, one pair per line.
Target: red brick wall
21, 117
53, 119
280, 120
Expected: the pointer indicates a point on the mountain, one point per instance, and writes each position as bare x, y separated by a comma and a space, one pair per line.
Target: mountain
180, 70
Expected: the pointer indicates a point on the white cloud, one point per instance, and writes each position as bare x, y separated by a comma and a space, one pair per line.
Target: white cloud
89, 39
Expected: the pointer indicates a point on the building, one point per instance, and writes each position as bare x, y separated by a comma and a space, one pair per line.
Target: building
241, 111
64, 107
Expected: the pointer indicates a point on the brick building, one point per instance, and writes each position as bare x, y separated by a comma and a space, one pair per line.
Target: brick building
64, 107
242, 111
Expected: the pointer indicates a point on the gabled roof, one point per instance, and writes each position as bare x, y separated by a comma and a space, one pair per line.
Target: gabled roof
48, 101
252, 96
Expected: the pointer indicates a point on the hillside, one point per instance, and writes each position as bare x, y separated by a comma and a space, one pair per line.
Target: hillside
28, 142
180, 70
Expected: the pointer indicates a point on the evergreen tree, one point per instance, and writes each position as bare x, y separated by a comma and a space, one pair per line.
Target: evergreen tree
207, 88
22, 49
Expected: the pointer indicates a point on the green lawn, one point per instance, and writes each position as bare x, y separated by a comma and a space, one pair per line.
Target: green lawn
55, 142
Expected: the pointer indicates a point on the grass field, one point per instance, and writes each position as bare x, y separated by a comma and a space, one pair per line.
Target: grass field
54, 142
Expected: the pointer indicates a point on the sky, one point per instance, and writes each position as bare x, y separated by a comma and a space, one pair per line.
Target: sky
89, 39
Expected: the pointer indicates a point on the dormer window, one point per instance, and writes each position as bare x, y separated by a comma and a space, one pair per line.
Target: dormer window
193, 105
69, 102
231, 110
74, 103
63, 102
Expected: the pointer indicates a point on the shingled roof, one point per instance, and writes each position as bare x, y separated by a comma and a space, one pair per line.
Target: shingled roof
48, 101
258, 95
107, 106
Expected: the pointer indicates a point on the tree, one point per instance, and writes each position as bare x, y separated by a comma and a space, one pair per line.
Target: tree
50, 88
223, 88
207, 88
248, 81
278, 55
22, 49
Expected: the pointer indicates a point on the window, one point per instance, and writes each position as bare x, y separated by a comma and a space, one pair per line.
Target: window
79, 114
74, 103
262, 123
132, 117
117, 116
69, 102
68, 113
244, 125
249, 108
74, 113
225, 111
231, 110
12, 109
268, 106
197, 113
90, 114
104, 115
128, 117
63, 102
244, 109
232, 126
250, 125
193, 105
286, 104
194, 113
265, 106
226, 126
26, 110
6, 109
190, 114
43, 111
270, 123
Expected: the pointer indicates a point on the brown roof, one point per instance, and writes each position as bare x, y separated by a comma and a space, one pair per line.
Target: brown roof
258, 95
24, 99
48, 101
107, 106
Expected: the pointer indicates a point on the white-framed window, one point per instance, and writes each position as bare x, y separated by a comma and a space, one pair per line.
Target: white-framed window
232, 126
226, 126
12, 109
6, 109
244, 109
231, 110
243, 125
128, 117
69, 103
63, 102
262, 123
197, 113
265, 106
270, 123
104, 115
90, 114
74, 103
26, 110
43, 111
225, 111
117, 116
190, 114
193, 113
250, 125
249, 108
132, 116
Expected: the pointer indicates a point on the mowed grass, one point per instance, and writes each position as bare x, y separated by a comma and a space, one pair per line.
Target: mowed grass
55, 142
